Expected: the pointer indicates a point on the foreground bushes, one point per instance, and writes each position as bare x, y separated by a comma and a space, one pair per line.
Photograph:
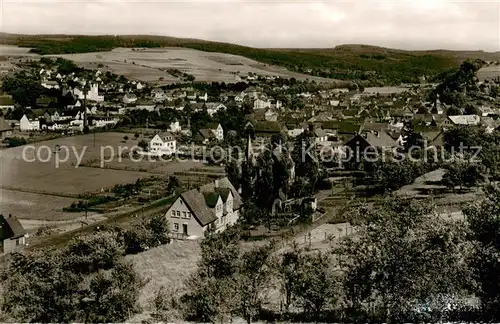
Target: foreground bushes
88, 281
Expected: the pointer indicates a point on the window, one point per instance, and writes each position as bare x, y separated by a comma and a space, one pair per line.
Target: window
176, 227
189, 215
17, 242
184, 215
173, 213
178, 213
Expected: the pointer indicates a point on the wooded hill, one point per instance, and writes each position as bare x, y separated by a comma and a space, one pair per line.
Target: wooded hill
368, 64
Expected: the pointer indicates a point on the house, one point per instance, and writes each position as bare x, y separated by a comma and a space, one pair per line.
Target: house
163, 144
204, 136
363, 144
129, 98
320, 135
270, 115
26, 124
487, 111
12, 234
139, 86
266, 128
92, 93
217, 130
158, 95
175, 127
5, 129
50, 84
213, 107
465, 119
294, 131
261, 104
212, 207
103, 122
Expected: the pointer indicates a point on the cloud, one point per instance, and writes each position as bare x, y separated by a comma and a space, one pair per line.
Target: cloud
424, 24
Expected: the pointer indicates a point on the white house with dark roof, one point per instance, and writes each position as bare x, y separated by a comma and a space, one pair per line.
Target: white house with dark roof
211, 207
163, 144
26, 124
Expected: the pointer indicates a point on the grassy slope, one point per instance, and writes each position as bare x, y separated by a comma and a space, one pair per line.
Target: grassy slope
376, 65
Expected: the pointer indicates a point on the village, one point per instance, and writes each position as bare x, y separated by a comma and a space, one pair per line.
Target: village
266, 191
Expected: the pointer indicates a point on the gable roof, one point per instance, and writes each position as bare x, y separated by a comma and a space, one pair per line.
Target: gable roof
266, 127
196, 203
380, 139
206, 133
465, 119
201, 200
212, 125
10, 227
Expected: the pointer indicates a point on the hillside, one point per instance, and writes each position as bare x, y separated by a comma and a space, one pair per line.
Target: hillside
369, 64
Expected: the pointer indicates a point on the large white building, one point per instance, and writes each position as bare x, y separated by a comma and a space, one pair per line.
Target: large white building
92, 94
163, 144
26, 124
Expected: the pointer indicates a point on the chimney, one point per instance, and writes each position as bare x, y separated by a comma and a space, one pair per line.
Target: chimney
216, 183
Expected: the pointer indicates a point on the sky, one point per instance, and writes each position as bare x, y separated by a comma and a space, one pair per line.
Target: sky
424, 24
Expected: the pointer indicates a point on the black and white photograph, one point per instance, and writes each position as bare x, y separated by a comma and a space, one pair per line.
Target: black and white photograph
249, 161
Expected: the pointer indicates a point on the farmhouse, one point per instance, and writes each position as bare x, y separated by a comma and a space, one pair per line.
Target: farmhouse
26, 124
375, 140
5, 129
12, 234
163, 144
212, 207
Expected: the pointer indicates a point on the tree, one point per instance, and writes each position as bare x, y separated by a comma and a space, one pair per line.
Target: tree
49, 286
453, 111
24, 87
233, 172
403, 256
173, 184
136, 135
143, 144
462, 172
252, 280
483, 221
305, 158
113, 296
471, 110
314, 284
87, 254
286, 267
212, 289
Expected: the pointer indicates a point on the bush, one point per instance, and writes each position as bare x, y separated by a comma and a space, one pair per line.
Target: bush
16, 141
151, 233
91, 253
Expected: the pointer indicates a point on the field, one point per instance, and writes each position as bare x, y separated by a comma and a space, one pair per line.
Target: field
38, 190
151, 64
42, 207
489, 72
375, 65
